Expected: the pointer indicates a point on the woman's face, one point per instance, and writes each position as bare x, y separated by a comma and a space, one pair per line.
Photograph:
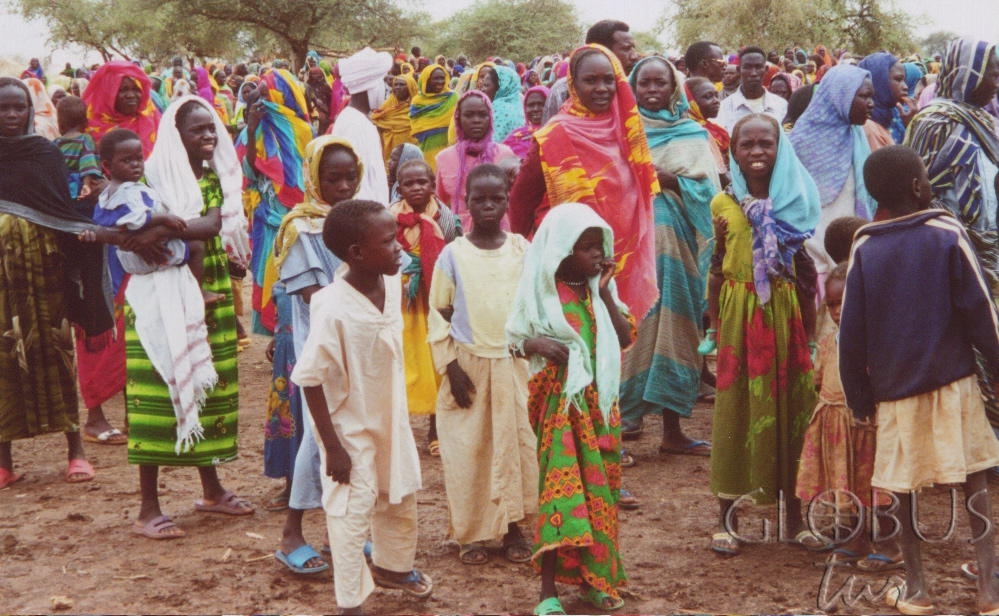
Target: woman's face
474, 117
400, 89
986, 90
707, 99
896, 82
436, 82
197, 133
534, 107
534, 79
487, 83
780, 88
15, 111
338, 176
863, 103
754, 148
595, 82
129, 97
654, 85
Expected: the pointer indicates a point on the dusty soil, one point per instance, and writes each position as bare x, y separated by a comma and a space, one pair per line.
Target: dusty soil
74, 541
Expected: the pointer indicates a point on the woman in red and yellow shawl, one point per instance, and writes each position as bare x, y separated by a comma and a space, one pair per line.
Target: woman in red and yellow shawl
118, 96
392, 118
272, 147
594, 151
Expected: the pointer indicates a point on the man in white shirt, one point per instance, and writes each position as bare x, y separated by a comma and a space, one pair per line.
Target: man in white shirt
751, 97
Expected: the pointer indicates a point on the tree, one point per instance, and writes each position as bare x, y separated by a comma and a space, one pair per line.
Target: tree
861, 26
936, 43
515, 29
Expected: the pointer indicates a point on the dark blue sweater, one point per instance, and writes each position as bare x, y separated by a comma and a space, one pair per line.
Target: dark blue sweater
916, 306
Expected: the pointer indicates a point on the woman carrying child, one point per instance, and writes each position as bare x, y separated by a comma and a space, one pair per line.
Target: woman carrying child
568, 319
488, 450
765, 391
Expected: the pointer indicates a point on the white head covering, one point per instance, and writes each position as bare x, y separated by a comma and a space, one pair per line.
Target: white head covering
537, 310
365, 70
168, 170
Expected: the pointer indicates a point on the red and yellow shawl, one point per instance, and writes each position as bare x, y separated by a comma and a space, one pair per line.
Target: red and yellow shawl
100, 96
603, 161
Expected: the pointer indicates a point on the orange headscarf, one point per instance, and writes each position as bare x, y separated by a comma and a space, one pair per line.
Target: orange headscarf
100, 96
603, 160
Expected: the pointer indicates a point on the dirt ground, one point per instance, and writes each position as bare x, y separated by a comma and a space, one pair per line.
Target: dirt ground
74, 541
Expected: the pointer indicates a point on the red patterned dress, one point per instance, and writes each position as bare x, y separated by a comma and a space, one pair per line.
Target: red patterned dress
579, 455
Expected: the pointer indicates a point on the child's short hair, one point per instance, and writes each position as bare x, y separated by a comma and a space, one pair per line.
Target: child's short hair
696, 81
347, 223
110, 141
72, 113
839, 237
486, 170
415, 162
889, 171
837, 273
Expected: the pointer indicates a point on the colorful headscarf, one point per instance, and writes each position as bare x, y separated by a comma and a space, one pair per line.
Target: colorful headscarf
423, 238
310, 213
783, 221
204, 85
508, 107
879, 65
520, 139
537, 310
913, 73
827, 143
392, 118
603, 160
281, 137
950, 133
431, 115
717, 131
471, 153
100, 96
46, 121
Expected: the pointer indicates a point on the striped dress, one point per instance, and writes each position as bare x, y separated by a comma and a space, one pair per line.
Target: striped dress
151, 420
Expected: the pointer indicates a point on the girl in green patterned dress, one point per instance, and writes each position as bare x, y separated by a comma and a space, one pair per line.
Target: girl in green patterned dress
765, 392
192, 166
568, 319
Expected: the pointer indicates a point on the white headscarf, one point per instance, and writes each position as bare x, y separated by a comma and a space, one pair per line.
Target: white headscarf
168, 170
537, 310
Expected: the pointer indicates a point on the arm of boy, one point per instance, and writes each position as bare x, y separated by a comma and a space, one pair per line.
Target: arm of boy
442, 346
338, 462
853, 345
162, 219
623, 328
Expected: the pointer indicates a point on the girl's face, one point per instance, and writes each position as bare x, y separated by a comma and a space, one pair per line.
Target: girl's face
436, 82
197, 133
487, 83
126, 162
587, 255
487, 202
338, 176
474, 117
707, 99
896, 82
595, 82
128, 98
654, 86
755, 149
534, 107
534, 79
780, 88
416, 186
834, 298
863, 103
15, 111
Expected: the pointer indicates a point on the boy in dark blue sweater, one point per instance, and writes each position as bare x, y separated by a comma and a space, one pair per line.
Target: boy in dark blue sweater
915, 309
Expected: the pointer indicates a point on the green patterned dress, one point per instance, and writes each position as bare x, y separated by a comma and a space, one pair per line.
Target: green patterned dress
765, 392
579, 456
151, 420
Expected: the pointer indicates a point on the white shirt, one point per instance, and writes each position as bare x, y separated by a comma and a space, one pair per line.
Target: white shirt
736, 106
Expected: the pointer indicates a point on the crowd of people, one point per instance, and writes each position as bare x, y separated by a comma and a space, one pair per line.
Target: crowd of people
534, 255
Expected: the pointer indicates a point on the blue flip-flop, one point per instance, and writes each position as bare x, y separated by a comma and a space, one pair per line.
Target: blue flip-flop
693, 448
297, 559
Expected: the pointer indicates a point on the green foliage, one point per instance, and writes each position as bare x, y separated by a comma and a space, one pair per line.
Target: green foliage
935, 43
861, 26
514, 29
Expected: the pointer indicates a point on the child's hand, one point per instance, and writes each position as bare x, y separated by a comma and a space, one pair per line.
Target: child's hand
88, 235
607, 269
269, 351
338, 464
720, 225
552, 350
446, 313
462, 387
907, 109
174, 222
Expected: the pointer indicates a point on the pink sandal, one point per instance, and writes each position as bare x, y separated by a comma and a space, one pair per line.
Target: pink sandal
79, 466
229, 504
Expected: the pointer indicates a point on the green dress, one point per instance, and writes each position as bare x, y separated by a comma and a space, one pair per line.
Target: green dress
579, 458
152, 425
765, 392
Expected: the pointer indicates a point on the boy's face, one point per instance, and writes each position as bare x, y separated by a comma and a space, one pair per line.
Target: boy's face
834, 298
378, 251
416, 186
925, 189
126, 163
487, 201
